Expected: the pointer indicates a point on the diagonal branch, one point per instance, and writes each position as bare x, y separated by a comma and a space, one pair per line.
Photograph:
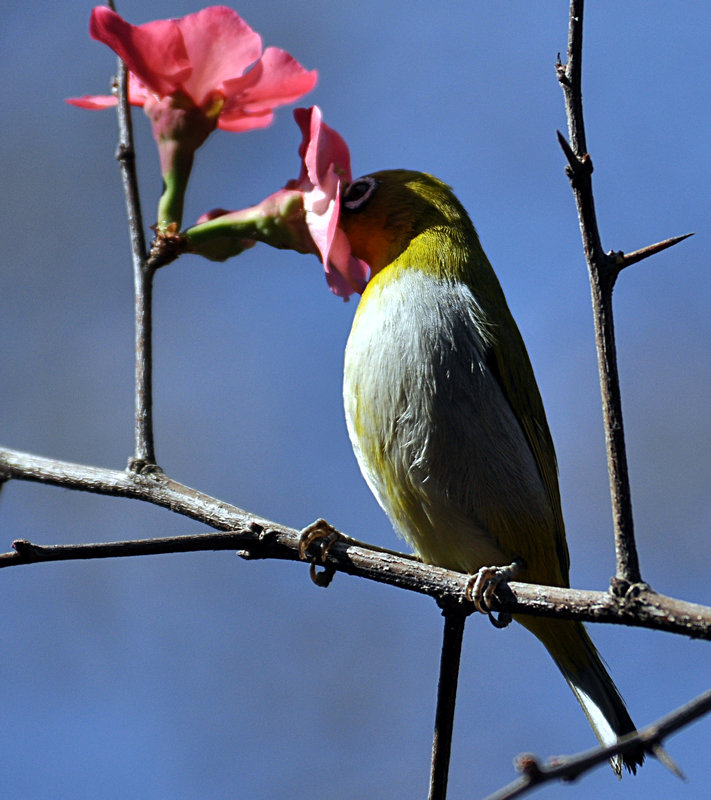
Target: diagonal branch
256, 537
569, 768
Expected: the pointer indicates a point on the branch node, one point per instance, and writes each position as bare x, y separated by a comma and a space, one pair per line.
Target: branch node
25, 548
168, 244
561, 71
460, 604
125, 153
266, 536
255, 548
636, 589
577, 165
140, 466
619, 587
528, 764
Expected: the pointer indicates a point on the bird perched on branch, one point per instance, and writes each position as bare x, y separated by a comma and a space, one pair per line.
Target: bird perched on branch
446, 419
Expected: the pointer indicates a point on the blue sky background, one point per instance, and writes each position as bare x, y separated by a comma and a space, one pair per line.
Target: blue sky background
206, 676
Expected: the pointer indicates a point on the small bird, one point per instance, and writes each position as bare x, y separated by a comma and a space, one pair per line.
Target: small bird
446, 419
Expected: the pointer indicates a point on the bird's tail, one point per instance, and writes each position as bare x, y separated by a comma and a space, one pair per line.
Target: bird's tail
578, 660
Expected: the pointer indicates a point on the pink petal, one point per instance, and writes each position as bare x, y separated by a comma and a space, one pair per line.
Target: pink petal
154, 52
303, 120
220, 46
325, 164
322, 214
321, 147
277, 78
322, 226
137, 94
241, 121
137, 90
326, 148
94, 102
345, 274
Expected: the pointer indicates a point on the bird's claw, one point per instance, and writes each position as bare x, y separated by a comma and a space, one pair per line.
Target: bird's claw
319, 531
481, 590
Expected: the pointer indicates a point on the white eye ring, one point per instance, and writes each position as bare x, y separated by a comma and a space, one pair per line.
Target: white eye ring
359, 192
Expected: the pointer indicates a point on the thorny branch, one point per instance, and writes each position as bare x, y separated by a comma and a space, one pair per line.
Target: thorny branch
569, 768
602, 279
603, 269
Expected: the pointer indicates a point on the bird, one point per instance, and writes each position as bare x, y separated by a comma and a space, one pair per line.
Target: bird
446, 419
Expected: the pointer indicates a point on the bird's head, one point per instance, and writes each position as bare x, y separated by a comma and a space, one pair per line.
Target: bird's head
387, 213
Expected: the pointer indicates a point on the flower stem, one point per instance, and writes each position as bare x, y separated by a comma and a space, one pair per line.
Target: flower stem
170, 205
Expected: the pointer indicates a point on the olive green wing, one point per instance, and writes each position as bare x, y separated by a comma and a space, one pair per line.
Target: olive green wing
508, 360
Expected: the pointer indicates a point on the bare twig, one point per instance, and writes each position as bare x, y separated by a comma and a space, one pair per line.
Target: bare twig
257, 537
144, 449
454, 620
569, 768
603, 269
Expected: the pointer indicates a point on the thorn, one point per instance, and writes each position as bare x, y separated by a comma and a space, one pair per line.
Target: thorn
622, 260
578, 165
664, 758
567, 149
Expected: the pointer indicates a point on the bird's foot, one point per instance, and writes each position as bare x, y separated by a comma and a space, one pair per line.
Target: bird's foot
324, 533
482, 587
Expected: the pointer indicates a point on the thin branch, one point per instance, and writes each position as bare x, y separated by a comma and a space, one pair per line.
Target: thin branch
603, 269
454, 621
256, 537
569, 768
602, 278
144, 449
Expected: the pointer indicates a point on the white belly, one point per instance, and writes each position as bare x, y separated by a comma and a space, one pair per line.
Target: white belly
433, 433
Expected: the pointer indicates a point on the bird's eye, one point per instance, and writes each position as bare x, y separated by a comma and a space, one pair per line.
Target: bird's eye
359, 193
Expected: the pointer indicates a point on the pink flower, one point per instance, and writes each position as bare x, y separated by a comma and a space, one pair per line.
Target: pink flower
192, 75
303, 216
203, 57
325, 165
